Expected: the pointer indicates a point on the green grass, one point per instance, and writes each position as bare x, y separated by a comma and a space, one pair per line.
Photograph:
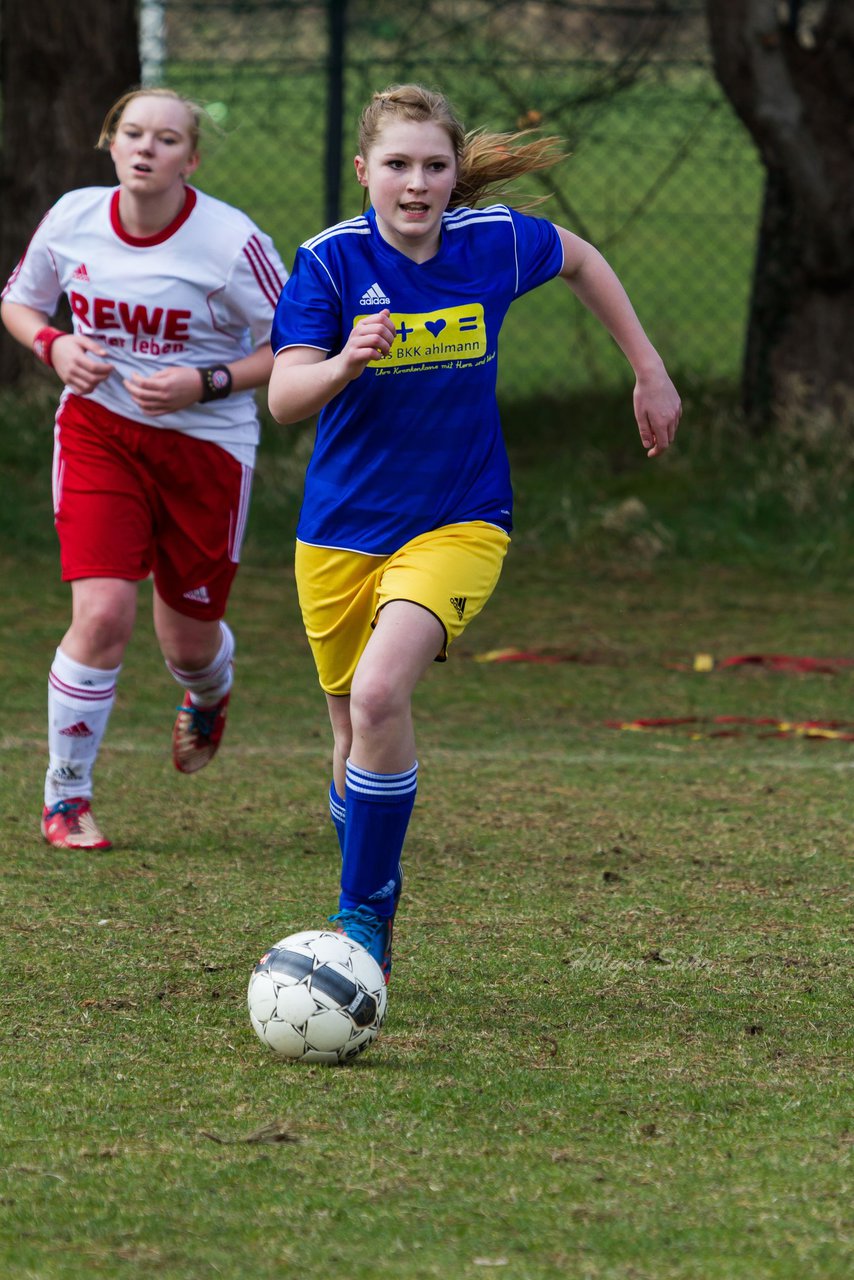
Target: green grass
619, 1035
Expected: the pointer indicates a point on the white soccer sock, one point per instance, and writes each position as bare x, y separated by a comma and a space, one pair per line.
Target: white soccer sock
210, 685
79, 702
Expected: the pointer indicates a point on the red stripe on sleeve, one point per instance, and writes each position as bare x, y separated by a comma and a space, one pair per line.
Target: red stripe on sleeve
264, 271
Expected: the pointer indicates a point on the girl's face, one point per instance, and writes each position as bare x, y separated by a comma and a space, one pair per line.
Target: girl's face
152, 148
410, 172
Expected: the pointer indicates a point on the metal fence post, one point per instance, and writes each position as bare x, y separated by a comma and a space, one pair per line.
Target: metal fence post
337, 29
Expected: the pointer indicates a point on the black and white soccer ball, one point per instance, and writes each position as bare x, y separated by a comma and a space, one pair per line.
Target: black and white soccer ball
317, 996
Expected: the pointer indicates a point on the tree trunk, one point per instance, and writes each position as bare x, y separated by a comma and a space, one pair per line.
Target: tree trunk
794, 89
62, 65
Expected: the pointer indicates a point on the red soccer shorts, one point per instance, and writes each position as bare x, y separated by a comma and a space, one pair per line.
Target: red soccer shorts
132, 500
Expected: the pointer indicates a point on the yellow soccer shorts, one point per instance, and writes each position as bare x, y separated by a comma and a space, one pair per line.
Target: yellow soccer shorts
451, 571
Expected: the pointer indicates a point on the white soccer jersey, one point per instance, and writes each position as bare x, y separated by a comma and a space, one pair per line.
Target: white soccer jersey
201, 292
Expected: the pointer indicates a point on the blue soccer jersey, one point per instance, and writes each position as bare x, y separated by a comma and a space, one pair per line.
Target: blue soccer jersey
414, 442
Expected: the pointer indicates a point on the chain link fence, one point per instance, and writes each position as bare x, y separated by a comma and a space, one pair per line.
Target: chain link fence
661, 175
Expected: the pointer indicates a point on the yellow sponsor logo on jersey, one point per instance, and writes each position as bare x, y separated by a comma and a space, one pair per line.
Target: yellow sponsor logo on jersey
453, 333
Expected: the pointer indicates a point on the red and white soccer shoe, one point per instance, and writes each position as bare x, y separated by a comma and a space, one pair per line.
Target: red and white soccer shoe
197, 734
70, 824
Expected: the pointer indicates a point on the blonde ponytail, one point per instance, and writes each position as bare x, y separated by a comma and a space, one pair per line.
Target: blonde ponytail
489, 161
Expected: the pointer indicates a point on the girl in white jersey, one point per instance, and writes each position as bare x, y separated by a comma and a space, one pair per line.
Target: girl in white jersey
172, 295
388, 328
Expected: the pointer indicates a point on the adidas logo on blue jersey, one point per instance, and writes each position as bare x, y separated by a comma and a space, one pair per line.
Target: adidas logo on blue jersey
374, 297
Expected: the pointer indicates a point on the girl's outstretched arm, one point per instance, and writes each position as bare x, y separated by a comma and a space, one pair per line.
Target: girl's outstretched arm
304, 380
656, 402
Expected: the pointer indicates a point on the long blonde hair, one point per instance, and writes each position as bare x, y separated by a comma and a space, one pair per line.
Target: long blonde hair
195, 114
486, 162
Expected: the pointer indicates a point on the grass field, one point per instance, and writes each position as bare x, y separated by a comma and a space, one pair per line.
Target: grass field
619, 1035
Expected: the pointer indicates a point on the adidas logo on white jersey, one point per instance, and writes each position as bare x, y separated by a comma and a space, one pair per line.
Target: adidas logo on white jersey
80, 273
374, 297
200, 594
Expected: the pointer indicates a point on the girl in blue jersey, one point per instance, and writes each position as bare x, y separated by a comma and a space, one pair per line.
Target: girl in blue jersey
388, 328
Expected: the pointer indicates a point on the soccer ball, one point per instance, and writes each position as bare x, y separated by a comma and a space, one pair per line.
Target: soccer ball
317, 996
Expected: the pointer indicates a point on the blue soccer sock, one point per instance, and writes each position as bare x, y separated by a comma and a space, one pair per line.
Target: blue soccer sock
337, 813
379, 806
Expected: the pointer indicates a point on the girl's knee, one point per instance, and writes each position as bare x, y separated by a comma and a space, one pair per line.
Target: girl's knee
375, 703
103, 627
